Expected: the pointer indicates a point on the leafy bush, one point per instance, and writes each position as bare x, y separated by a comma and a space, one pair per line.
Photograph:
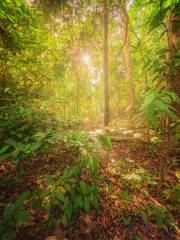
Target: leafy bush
13, 214
64, 196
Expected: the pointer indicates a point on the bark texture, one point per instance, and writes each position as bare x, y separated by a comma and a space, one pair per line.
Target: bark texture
127, 55
173, 43
105, 67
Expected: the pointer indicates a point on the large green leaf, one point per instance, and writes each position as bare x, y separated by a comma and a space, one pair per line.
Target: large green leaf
7, 212
150, 97
4, 156
4, 149
159, 221
46, 192
144, 217
20, 200
83, 188
105, 140
160, 104
64, 219
59, 195
79, 201
22, 216
86, 204
150, 110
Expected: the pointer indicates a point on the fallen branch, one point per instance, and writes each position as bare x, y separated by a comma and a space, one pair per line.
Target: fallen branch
126, 139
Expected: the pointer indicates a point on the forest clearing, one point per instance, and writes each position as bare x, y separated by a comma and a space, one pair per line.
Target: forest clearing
89, 120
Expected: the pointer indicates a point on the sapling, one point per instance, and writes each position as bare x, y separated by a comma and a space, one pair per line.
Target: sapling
158, 109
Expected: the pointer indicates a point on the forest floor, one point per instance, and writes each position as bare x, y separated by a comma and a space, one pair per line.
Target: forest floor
116, 217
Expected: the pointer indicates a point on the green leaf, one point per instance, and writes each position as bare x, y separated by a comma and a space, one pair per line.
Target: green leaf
20, 200
16, 160
11, 142
4, 149
47, 207
105, 140
178, 135
147, 64
69, 211
35, 146
5, 156
59, 181
15, 153
86, 204
66, 202
60, 195
56, 173
46, 192
160, 105
71, 180
159, 221
150, 111
95, 201
22, 216
83, 188
79, 201
64, 219
51, 221
49, 177
144, 217
150, 97
173, 95
7, 212
67, 187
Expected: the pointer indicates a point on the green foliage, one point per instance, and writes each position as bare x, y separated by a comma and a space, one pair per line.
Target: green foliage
173, 194
87, 149
105, 140
13, 214
20, 136
156, 107
64, 196
139, 178
159, 214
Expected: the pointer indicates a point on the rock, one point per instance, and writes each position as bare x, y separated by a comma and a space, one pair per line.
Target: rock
127, 132
137, 135
100, 131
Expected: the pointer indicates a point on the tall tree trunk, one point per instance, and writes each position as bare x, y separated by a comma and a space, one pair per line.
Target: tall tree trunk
105, 67
77, 93
173, 44
127, 55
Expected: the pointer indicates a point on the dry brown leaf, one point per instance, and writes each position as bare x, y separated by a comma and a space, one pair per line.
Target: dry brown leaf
24, 225
51, 238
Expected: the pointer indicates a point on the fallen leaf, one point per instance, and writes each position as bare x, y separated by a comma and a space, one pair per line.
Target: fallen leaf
63, 190
51, 238
24, 225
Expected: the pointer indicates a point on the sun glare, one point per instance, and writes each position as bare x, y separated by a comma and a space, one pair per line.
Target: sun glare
86, 59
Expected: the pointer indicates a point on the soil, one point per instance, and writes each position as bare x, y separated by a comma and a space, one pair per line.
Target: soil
112, 220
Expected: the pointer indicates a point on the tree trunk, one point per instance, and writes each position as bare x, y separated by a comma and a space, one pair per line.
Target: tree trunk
173, 44
105, 67
127, 55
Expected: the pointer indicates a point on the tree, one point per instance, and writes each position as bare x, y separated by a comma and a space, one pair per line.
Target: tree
127, 55
105, 67
173, 44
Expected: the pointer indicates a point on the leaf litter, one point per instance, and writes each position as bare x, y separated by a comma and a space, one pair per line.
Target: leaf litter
116, 218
